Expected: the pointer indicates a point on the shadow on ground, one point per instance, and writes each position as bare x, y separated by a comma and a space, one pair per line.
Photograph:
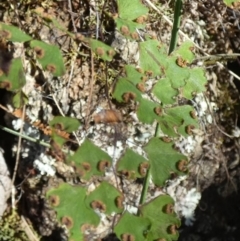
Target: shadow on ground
217, 217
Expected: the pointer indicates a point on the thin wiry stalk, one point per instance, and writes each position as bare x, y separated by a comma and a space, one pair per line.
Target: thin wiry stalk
173, 43
24, 136
176, 25
145, 188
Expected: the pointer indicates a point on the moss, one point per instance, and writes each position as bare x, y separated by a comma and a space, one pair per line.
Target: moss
11, 228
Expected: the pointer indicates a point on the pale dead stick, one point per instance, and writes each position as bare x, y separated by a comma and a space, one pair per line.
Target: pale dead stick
28, 230
17, 158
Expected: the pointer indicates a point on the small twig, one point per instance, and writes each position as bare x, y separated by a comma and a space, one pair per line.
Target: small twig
228, 176
15, 9
61, 112
70, 11
5, 109
217, 57
73, 60
28, 230
90, 90
215, 123
98, 21
17, 158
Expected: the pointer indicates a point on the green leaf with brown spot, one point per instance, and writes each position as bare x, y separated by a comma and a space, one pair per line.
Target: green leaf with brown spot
132, 165
89, 160
124, 88
14, 78
164, 160
176, 120
12, 33
132, 226
153, 57
69, 201
131, 9
105, 198
102, 50
49, 56
163, 225
164, 91
230, 2
127, 12
65, 123
19, 99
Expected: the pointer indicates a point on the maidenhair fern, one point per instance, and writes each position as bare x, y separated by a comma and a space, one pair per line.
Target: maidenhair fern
157, 85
